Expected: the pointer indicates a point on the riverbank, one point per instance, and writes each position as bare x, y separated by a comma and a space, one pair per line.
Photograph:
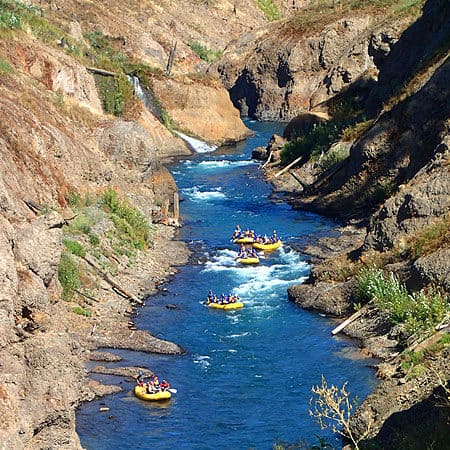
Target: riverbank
413, 372
113, 325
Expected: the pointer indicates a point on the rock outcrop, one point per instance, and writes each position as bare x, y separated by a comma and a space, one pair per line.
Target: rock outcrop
204, 111
270, 81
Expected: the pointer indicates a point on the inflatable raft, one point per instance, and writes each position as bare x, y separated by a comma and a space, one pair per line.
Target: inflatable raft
252, 260
267, 247
234, 305
141, 392
244, 240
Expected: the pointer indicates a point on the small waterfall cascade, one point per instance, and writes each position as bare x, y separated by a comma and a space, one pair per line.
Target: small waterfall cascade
139, 91
196, 144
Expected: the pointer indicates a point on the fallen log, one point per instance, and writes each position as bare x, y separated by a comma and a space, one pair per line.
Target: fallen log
268, 159
288, 166
346, 322
112, 282
101, 71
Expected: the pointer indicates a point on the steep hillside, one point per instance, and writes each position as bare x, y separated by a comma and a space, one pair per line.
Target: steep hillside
277, 72
84, 195
389, 177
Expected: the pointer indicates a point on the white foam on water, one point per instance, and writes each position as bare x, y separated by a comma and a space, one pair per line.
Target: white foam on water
223, 260
233, 318
196, 195
234, 336
196, 144
202, 360
232, 350
224, 163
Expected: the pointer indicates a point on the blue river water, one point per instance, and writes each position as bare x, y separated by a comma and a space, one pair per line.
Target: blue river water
246, 378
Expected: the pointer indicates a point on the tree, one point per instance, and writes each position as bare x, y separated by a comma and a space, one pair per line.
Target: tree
332, 408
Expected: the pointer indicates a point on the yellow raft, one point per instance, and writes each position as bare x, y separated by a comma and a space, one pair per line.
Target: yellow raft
141, 392
267, 247
252, 260
235, 305
244, 240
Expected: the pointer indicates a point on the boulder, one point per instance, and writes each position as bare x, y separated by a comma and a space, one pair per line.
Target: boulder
329, 298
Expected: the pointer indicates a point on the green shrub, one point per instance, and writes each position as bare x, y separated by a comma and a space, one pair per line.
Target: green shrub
81, 224
131, 225
5, 67
14, 14
87, 312
117, 94
74, 247
311, 145
418, 311
74, 199
333, 157
94, 239
368, 281
68, 275
205, 53
425, 310
97, 40
269, 8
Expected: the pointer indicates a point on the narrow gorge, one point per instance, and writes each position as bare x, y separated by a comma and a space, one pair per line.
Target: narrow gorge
100, 101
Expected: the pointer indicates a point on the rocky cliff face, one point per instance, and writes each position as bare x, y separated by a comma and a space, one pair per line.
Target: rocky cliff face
397, 146
394, 183
280, 71
55, 140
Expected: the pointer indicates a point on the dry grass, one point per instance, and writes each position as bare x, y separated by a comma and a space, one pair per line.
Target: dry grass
321, 13
430, 239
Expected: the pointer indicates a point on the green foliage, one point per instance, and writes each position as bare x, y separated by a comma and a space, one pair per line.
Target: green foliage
345, 114
81, 224
68, 275
312, 144
74, 247
94, 239
15, 14
74, 199
269, 8
368, 281
117, 94
97, 40
205, 53
418, 311
5, 67
411, 359
333, 157
131, 225
87, 312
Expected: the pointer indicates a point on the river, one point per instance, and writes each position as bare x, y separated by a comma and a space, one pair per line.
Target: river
246, 378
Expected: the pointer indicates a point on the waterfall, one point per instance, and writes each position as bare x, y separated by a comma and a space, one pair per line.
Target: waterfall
139, 91
196, 144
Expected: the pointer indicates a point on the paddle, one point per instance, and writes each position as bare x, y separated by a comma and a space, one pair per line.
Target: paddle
173, 390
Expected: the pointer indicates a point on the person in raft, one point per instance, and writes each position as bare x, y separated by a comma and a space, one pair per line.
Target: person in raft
164, 385
140, 378
237, 232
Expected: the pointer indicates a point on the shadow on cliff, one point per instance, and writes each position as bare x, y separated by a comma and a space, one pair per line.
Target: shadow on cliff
400, 142
414, 428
